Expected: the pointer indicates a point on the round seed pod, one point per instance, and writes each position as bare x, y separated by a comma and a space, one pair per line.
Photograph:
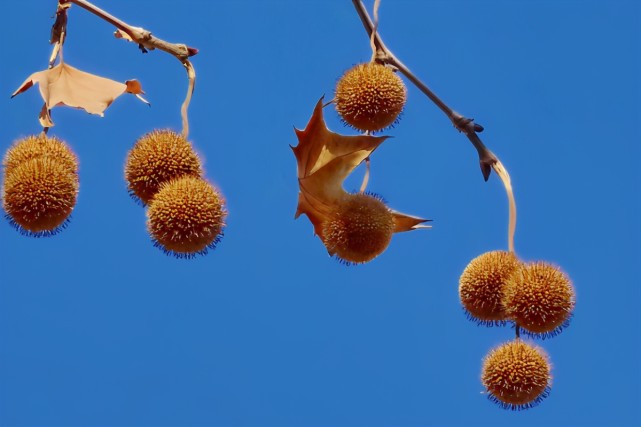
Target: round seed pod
370, 97
40, 145
39, 195
481, 286
186, 217
516, 375
540, 299
359, 230
156, 158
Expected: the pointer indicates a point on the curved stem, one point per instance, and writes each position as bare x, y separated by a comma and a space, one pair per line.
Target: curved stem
507, 183
460, 122
366, 176
191, 74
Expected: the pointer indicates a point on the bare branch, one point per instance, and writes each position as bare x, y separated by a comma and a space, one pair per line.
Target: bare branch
146, 41
144, 38
466, 125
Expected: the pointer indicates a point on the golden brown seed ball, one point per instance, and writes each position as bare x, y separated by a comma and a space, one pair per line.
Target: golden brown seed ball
34, 146
186, 216
359, 230
370, 97
516, 375
156, 158
481, 286
39, 194
539, 298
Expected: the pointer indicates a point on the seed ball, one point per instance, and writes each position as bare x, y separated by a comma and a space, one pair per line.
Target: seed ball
38, 196
158, 157
186, 217
540, 299
516, 375
35, 146
370, 97
482, 283
359, 230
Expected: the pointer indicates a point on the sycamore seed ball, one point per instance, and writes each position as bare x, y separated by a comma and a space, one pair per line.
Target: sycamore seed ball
156, 158
516, 375
359, 230
35, 146
39, 194
370, 97
186, 216
539, 298
482, 283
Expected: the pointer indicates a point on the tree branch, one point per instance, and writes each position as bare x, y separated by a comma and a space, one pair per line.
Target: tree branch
487, 159
146, 42
466, 125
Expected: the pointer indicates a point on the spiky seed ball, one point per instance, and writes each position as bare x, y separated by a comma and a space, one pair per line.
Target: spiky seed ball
481, 286
156, 158
38, 196
186, 216
516, 375
370, 97
40, 145
540, 298
359, 230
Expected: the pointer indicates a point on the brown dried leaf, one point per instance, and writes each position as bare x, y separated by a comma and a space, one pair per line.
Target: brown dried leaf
325, 159
66, 85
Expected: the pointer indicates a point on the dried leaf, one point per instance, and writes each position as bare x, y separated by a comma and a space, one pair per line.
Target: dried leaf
325, 159
66, 85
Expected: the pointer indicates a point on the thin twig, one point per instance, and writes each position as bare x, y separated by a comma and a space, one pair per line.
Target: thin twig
146, 42
466, 125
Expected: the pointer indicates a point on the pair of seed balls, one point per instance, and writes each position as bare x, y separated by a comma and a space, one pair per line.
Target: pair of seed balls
40, 184
186, 214
497, 286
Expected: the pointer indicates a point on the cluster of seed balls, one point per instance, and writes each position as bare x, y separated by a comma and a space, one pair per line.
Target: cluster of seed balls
369, 97
538, 298
40, 185
186, 214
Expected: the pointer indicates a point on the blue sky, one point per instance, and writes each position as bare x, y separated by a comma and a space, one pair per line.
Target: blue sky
100, 328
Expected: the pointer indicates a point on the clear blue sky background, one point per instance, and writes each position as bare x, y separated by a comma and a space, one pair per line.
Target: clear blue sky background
100, 328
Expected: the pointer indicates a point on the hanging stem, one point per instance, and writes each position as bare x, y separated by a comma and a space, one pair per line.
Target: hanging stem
372, 37
146, 42
191, 74
507, 183
366, 177
463, 124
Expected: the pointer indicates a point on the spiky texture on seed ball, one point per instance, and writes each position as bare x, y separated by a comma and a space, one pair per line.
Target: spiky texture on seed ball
38, 196
481, 286
370, 97
156, 158
359, 230
540, 299
516, 375
186, 217
40, 145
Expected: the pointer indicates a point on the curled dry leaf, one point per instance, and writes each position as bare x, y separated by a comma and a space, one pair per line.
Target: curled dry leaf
325, 159
66, 85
